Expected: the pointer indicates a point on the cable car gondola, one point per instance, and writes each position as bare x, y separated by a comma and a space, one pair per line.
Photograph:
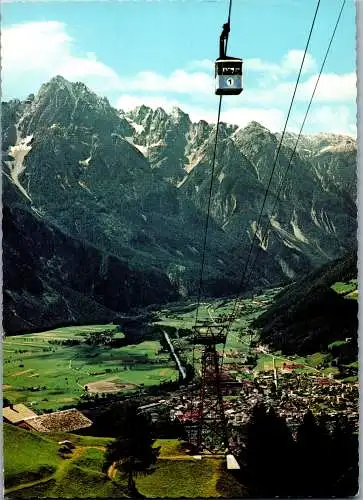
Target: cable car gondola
228, 70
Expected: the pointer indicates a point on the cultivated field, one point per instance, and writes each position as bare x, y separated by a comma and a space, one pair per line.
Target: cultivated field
237, 347
44, 374
182, 317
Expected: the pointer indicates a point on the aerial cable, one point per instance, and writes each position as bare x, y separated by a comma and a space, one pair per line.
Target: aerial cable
208, 210
223, 40
276, 157
242, 281
284, 179
229, 18
226, 29
206, 233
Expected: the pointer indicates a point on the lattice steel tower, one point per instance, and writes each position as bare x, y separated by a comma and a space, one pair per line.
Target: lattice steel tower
211, 425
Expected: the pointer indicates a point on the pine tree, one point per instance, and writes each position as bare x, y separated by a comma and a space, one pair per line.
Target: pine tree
345, 458
132, 451
313, 446
268, 456
282, 456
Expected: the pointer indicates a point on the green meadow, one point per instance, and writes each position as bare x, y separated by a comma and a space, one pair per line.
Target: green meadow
180, 475
183, 316
349, 289
34, 468
47, 375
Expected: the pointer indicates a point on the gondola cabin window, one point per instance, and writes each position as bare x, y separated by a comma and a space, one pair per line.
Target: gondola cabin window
228, 74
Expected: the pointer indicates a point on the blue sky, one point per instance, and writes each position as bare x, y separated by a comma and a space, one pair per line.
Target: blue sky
162, 52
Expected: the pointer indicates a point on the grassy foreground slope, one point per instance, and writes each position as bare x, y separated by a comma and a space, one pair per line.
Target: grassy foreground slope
205, 478
33, 467
181, 475
28, 456
80, 475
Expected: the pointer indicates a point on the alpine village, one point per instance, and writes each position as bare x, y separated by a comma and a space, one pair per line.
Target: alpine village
180, 301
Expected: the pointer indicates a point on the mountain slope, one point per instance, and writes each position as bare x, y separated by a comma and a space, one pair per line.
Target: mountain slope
314, 219
310, 314
51, 278
135, 186
73, 163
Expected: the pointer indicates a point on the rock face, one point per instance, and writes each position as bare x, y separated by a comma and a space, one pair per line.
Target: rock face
310, 213
135, 186
51, 278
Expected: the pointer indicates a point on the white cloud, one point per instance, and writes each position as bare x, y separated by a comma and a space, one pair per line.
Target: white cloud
272, 118
34, 46
96, 74
34, 52
330, 119
331, 88
205, 64
288, 66
40, 50
178, 82
257, 64
292, 60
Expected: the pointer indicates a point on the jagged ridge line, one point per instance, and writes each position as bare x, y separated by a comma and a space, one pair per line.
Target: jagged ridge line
284, 179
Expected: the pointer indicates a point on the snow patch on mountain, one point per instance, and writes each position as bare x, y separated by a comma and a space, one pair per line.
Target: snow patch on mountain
297, 231
138, 128
17, 167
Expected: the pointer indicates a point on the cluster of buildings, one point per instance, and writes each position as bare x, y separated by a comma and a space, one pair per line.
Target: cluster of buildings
323, 395
291, 397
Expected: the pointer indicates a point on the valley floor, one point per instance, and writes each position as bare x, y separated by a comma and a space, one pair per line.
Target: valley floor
55, 369
42, 371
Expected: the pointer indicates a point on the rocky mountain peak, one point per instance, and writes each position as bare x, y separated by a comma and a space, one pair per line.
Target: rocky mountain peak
136, 185
160, 113
57, 81
178, 115
258, 144
175, 111
254, 130
60, 102
310, 145
61, 91
139, 113
255, 125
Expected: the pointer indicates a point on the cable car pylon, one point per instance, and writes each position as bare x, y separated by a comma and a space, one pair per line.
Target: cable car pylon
206, 421
211, 426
